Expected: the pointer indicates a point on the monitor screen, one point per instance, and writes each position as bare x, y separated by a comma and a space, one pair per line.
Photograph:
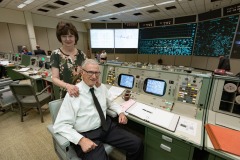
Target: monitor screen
26, 60
102, 38
154, 86
126, 81
126, 38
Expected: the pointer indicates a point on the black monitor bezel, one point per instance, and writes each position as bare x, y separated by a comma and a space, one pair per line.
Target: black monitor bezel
119, 80
145, 86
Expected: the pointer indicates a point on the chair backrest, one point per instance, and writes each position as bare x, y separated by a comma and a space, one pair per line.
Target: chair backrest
54, 107
22, 89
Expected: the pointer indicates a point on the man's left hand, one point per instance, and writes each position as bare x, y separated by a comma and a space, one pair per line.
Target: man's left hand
122, 119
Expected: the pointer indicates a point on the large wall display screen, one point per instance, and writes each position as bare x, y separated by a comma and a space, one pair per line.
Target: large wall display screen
126, 38
102, 38
236, 46
167, 40
214, 37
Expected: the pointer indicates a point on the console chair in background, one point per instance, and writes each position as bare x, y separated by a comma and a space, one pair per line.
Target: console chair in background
6, 96
27, 97
62, 146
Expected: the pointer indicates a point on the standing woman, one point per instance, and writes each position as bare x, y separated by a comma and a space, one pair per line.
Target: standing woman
66, 61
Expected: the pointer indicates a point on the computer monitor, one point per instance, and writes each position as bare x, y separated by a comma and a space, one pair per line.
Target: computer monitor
47, 65
126, 81
25, 60
154, 86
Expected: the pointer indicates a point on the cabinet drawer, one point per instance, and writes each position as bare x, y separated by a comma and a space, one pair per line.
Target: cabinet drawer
157, 147
158, 136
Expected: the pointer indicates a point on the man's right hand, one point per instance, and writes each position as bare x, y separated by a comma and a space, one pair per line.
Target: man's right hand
87, 145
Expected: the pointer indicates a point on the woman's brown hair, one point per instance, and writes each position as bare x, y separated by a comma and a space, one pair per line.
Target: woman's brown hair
64, 28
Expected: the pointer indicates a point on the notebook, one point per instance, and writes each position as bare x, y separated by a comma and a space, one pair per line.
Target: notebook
224, 139
155, 116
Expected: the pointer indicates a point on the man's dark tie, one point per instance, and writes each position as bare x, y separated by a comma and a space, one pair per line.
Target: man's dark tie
99, 109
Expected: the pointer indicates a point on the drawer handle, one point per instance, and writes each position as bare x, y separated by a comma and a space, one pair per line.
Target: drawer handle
168, 139
166, 148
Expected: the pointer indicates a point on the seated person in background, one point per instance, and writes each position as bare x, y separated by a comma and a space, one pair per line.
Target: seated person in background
25, 51
103, 56
39, 51
160, 61
86, 125
224, 63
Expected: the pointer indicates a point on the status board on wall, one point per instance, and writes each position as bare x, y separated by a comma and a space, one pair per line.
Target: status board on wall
214, 37
167, 40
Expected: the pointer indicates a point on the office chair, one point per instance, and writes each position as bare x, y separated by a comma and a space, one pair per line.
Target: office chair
27, 98
62, 146
6, 96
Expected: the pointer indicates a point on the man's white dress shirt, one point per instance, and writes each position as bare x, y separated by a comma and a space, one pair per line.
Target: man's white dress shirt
79, 114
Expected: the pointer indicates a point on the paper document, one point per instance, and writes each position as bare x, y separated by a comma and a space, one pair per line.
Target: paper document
161, 118
127, 104
116, 91
23, 69
187, 126
4, 62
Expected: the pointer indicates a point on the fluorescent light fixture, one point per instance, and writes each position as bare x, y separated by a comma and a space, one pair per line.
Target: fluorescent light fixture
165, 2
85, 20
69, 11
95, 3
28, 1
97, 17
91, 4
78, 8
60, 14
144, 7
129, 10
21, 6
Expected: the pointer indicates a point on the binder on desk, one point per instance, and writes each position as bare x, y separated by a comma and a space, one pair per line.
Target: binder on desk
224, 139
155, 116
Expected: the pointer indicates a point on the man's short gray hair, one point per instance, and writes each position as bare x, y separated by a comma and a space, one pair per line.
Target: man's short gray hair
89, 61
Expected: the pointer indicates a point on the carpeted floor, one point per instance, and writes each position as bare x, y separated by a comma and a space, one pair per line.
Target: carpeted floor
28, 140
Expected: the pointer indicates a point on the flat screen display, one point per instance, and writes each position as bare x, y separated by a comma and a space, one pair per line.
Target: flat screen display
126, 38
102, 38
126, 81
154, 86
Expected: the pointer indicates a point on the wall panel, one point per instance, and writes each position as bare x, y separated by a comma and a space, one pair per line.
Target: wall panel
42, 38
19, 36
5, 43
199, 62
183, 61
53, 41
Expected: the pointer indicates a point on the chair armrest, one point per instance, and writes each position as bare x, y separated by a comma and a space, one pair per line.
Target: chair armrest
2, 90
43, 90
61, 141
111, 113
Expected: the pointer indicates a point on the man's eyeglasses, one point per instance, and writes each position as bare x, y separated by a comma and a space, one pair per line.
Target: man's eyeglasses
90, 73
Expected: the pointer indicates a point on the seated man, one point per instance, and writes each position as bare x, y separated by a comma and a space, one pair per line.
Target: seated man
87, 126
39, 51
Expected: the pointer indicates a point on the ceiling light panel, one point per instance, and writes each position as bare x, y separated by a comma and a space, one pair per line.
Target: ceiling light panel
166, 2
